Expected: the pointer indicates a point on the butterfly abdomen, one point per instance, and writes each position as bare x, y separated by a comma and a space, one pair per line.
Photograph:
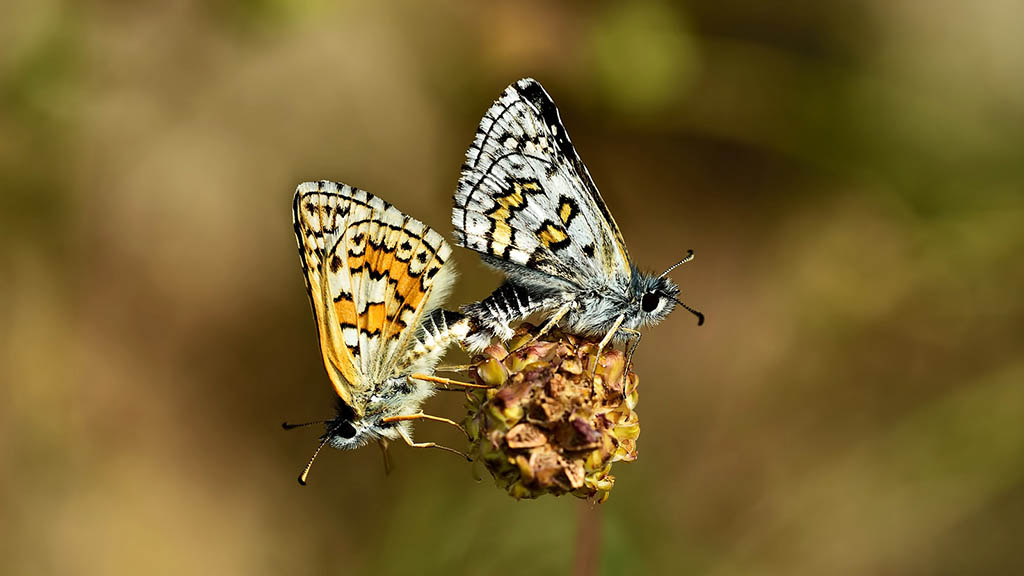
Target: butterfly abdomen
492, 315
437, 331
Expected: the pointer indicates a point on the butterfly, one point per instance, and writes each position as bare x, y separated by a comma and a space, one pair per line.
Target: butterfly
528, 205
376, 278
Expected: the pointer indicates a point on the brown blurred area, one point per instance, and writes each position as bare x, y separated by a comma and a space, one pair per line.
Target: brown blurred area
850, 175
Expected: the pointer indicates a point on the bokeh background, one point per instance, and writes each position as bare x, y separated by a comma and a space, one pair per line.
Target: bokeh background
849, 174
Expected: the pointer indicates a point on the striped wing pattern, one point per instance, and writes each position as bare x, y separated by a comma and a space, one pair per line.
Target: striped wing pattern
526, 199
370, 271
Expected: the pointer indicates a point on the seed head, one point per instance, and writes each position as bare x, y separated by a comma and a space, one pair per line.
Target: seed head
548, 423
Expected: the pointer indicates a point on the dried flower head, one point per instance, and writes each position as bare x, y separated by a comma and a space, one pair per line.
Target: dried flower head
548, 424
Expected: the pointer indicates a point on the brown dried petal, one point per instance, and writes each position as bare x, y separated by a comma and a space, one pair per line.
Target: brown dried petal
552, 427
585, 432
545, 466
575, 473
511, 396
525, 435
552, 409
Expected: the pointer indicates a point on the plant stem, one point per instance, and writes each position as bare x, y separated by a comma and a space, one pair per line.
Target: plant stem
588, 539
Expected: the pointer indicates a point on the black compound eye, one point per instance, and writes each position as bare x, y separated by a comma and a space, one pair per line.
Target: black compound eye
345, 430
650, 302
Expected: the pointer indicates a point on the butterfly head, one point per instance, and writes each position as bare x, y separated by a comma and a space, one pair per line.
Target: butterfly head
345, 431
348, 431
345, 434
657, 296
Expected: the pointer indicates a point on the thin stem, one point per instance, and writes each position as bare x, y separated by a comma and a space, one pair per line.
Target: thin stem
588, 539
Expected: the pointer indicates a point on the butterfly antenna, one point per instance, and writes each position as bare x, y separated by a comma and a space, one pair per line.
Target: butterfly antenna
305, 472
288, 426
687, 258
699, 315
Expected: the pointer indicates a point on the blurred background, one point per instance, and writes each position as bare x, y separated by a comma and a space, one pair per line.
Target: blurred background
849, 174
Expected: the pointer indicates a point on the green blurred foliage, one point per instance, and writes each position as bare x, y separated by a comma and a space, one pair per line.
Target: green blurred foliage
849, 174
642, 56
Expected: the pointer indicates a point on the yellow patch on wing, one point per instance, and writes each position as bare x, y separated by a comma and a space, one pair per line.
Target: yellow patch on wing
338, 358
501, 214
567, 210
501, 236
345, 311
410, 291
375, 316
552, 236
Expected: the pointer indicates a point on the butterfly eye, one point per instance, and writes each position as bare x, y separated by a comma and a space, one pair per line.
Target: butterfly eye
650, 302
345, 430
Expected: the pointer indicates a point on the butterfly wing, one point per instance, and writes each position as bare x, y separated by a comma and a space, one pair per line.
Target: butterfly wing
526, 199
372, 273
320, 221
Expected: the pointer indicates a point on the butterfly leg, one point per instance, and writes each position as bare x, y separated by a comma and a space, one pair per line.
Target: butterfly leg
457, 368
408, 440
604, 342
559, 314
422, 416
633, 345
445, 381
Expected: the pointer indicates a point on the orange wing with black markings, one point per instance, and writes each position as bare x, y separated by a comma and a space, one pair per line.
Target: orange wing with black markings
372, 273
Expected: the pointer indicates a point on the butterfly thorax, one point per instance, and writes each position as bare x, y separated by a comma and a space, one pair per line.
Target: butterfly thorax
593, 312
644, 300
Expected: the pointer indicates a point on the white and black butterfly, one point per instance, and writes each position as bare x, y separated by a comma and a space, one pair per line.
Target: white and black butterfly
527, 204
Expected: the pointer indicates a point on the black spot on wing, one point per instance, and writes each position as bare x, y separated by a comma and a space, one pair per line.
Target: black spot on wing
561, 245
534, 93
375, 274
